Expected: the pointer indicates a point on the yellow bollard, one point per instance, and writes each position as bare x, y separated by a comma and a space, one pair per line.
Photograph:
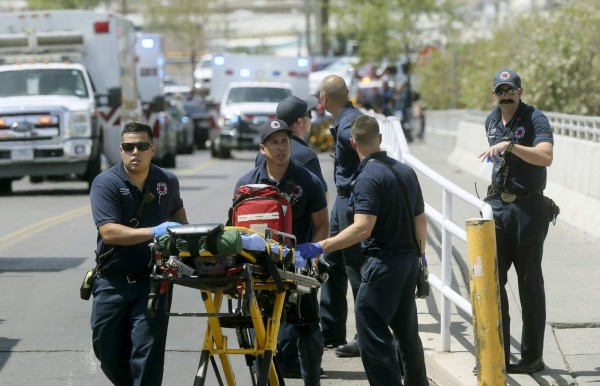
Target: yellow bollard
485, 300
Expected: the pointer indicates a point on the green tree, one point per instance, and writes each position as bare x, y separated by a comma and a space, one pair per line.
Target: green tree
61, 4
555, 52
383, 28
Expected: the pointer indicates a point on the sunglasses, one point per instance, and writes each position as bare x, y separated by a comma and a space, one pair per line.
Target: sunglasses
508, 91
309, 114
141, 146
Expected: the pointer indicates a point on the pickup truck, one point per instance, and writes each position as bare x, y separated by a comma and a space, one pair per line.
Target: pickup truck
244, 108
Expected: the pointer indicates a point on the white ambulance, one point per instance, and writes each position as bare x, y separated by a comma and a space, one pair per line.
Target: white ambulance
216, 71
68, 84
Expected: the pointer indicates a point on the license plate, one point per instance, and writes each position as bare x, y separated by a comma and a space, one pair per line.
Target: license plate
22, 155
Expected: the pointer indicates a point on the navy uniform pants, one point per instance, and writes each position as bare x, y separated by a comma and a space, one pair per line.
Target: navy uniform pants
386, 300
300, 350
521, 228
345, 266
129, 344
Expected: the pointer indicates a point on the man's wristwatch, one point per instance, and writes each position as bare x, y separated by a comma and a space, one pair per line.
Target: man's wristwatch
510, 147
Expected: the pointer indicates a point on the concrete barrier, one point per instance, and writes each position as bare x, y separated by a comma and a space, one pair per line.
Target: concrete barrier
573, 178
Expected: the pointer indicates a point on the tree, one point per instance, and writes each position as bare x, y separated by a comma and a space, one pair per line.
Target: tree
182, 21
62, 4
555, 52
390, 29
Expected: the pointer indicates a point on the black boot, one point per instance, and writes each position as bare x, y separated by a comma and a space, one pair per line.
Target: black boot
348, 350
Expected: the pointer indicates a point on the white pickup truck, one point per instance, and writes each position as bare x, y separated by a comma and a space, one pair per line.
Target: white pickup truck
244, 108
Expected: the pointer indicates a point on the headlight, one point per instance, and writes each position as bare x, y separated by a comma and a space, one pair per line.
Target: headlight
80, 124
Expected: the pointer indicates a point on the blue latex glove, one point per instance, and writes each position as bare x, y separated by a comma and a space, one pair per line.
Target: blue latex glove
254, 242
309, 250
161, 229
299, 261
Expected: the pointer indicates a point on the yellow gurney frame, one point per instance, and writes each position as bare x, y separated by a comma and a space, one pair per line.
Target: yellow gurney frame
242, 283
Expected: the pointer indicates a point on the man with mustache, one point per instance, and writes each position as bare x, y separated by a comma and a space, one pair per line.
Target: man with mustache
521, 147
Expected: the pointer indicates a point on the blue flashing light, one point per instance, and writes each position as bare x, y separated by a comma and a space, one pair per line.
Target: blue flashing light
276, 73
160, 61
219, 60
147, 43
244, 73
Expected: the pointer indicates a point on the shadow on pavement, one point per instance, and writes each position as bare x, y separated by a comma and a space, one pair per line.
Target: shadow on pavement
39, 264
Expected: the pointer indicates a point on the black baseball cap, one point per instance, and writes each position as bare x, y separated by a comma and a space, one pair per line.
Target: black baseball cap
508, 77
272, 126
292, 108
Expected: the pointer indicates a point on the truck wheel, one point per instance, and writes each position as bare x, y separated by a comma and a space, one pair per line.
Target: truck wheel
213, 150
224, 153
5, 186
169, 160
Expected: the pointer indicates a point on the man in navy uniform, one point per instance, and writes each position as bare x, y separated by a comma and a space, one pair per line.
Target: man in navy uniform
521, 147
310, 222
132, 202
344, 264
296, 113
382, 224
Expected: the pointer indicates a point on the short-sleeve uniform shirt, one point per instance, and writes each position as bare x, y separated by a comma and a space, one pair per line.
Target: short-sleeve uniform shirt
116, 200
530, 128
377, 192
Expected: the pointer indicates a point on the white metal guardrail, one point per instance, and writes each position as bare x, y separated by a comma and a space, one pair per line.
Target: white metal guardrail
395, 144
576, 126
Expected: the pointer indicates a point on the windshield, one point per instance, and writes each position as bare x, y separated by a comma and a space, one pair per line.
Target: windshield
43, 82
258, 94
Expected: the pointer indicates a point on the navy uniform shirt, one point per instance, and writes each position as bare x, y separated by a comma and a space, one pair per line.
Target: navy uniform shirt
302, 155
346, 156
306, 193
377, 192
531, 127
116, 200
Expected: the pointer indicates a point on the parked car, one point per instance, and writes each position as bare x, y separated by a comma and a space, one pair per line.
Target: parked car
204, 121
163, 132
183, 127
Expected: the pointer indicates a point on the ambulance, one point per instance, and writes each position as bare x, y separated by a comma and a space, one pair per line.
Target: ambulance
216, 71
68, 84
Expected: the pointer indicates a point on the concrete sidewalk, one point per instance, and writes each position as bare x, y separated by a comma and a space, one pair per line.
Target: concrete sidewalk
572, 337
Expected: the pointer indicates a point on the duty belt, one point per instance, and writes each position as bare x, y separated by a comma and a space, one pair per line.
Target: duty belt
508, 195
134, 277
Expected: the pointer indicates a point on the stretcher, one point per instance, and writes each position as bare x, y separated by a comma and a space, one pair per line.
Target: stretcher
254, 283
